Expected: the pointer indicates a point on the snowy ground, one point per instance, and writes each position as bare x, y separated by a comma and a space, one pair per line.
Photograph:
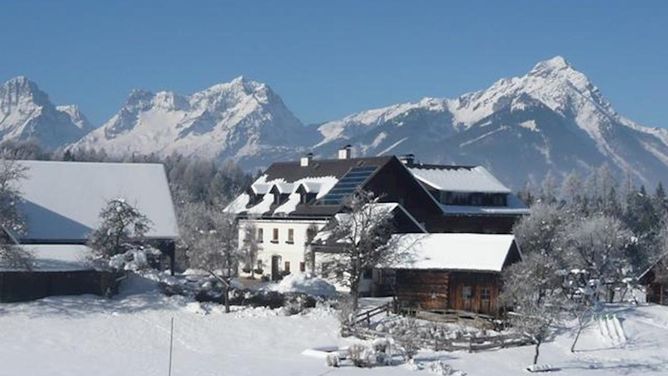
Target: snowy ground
130, 335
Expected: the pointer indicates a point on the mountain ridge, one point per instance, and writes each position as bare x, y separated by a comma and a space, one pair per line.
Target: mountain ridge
552, 119
26, 113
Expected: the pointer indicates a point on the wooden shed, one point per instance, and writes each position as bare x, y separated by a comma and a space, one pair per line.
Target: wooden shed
58, 269
655, 280
453, 271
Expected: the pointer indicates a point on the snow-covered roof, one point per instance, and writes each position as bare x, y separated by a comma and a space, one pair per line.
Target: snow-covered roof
319, 185
458, 178
63, 200
260, 189
475, 252
58, 257
289, 205
283, 187
310, 187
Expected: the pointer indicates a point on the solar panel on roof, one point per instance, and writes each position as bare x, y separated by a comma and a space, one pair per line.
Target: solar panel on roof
347, 185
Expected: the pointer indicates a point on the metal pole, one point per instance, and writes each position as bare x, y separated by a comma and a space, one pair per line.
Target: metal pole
171, 346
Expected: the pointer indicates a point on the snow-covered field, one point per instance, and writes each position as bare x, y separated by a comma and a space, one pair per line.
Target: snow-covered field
129, 335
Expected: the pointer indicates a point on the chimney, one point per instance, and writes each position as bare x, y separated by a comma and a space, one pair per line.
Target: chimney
306, 160
344, 152
407, 159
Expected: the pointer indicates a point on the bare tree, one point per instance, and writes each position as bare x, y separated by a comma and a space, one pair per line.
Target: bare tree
360, 239
533, 290
251, 247
581, 303
11, 221
213, 247
122, 227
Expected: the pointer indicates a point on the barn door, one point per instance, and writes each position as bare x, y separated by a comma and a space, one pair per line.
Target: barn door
485, 295
467, 297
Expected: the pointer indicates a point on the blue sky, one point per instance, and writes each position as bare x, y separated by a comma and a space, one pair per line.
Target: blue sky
330, 59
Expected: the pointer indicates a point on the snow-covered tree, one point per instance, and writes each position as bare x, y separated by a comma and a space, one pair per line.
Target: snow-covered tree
572, 190
251, 247
212, 242
598, 245
309, 252
537, 232
122, 227
549, 188
362, 240
532, 288
11, 221
10, 173
646, 218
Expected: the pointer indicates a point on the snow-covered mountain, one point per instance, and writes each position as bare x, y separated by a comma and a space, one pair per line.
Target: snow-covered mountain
26, 113
242, 119
551, 119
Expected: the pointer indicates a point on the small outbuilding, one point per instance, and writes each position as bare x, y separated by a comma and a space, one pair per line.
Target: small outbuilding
655, 280
452, 271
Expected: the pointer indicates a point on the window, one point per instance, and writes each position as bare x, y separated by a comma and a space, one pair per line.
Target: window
302, 266
291, 236
307, 198
467, 292
499, 200
274, 239
455, 198
485, 294
286, 269
260, 235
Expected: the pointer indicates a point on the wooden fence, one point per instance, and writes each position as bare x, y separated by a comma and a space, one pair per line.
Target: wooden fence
365, 316
466, 343
361, 328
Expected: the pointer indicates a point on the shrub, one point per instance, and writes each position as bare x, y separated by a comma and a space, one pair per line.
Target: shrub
361, 356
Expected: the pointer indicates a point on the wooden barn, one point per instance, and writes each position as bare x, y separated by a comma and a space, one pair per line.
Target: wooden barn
452, 271
61, 203
655, 280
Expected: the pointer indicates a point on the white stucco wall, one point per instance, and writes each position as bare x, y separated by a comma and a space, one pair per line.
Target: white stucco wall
291, 252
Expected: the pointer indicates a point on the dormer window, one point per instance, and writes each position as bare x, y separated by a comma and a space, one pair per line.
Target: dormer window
281, 192
307, 192
307, 198
256, 193
254, 198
